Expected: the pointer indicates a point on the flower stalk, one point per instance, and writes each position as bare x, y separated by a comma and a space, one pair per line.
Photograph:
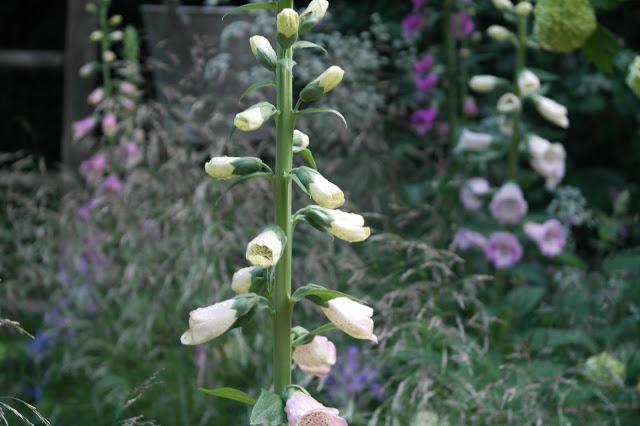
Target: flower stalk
521, 62
452, 92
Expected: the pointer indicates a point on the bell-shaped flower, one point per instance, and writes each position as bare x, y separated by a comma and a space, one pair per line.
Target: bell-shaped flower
264, 53
528, 83
351, 317
465, 239
473, 141
316, 357
254, 117
552, 111
303, 410
109, 124
288, 22
315, 11
324, 83
323, 192
96, 96
300, 140
547, 159
503, 250
472, 191
244, 278
508, 205
483, 83
499, 33
502, 4
82, 128
265, 249
550, 236
509, 103
223, 168
345, 226
206, 324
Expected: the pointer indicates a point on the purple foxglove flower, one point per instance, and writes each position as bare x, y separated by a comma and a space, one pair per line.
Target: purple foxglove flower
83, 127
508, 205
84, 212
503, 250
550, 236
110, 124
412, 25
112, 187
94, 167
303, 410
426, 83
316, 358
130, 153
96, 96
424, 64
442, 129
423, 119
470, 107
471, 192
462, 25
128, 89
466, 239
418, 4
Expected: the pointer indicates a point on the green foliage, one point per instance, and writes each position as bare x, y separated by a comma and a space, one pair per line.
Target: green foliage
564, 26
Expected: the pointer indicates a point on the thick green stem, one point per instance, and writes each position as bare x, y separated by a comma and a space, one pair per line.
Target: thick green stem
282, 184
452, 90
105, 45
521, 58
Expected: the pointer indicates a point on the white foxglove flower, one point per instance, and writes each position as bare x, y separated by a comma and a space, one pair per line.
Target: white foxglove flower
552, 111
528, 83
244, 278
303, 410
499, 33
263, 52
223, 168
502, 4
316, 357
345, 226
509, 103
547, 159
323, 192
473, 141
288, 22
300, 140
206, 324
351, 317
508, 205
324, 83
316, 9
524, 9
254, 117
483, 83
472, 191
265, 249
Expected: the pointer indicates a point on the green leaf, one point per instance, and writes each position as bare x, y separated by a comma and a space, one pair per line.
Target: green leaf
601, 49
308, 337
570, 259
251, 6
323, 110
230, 393
317, 292
523, 300
627, 262
257, 86
308, 45
298, 182
553, 338
307, 155
269, 409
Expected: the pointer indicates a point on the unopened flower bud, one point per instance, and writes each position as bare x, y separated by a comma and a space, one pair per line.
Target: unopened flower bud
524, 9
206, 324
95, 36
552, 111
502, 4
110, 124
324, 83
244, 278
116, 36
473, 141
265, 249
300, 140
263, 52
288, 22
483, 83
96, 97
509, 103
223, 168
323, 192
108, 56
254, 117
128, 89
499, 33
116, 20
345, 226
528, 83
316, 10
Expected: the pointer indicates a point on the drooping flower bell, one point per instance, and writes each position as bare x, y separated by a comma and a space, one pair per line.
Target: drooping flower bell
426, 83
254, 117
351, 317
110, 124
552, 111
322, 191
472, 191
264, 53
503, 250
112, 187
473, 141
423, 119
303, 410
550, 236
96, 97
528, 83
424, 64
465, 239
509, 103
324, 83
265, 249
462, 25
300, 139
346, 226
483, 83
508, 205
499, 33
244, 278
547, 159
315, 11
412, 25
223, 168
82, 128
206, 324
93, 168
316, 357
288, 22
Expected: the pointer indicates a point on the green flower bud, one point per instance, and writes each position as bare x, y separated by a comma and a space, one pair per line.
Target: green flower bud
524, 9
247, 280
288, 22
223, 168
499, 33
564, 26
263, 52
324, 83
300, 139
254, 117
633, 78
95, 36
346, 226
502, 4
605, 370
116, 20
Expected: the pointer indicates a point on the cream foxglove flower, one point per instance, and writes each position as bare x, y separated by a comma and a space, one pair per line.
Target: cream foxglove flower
316, 9
316, 357
323, 192
345, 226
223, 168
528, 82
300, 140
265, 249
524, 9
206, 324
483, 83
244, 278
263, 52
509, 103
502, 4
473, 141
552, 111
547, 159
254, 117
324, 83
303, 410
351, 317
288, 22
499, 33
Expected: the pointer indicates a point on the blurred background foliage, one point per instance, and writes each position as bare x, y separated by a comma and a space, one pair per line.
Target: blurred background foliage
107, 298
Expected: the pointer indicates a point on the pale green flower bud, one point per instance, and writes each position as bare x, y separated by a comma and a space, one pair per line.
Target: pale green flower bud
499, 33
223, 168
263, 52
95, 36
528, 83
288, 22
108, 56
323, 192
245, 278
300, 140
605, 370
552, 111
254, 117
116, 20
502, 4
633, 78
524, 9
483, 83
564, 26
509, 103
265, 249
345, 226
324, 83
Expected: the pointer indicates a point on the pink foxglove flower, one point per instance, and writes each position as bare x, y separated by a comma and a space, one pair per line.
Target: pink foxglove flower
96, 96
128, 104
426, 83
83, 127
422, 120
503, 250
206, 324
412, 25
84, 212
110, 124
462, 25
316, 357
351, 317
424, 64
94, 167
471, 192
466, 239
112, 187
550, 236
303, 410
128, 89
508, 205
